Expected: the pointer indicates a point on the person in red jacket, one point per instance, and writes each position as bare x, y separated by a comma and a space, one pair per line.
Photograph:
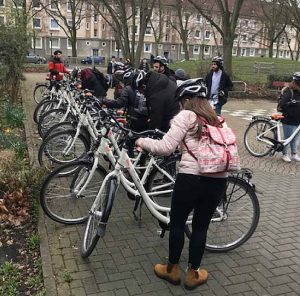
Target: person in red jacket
56, 66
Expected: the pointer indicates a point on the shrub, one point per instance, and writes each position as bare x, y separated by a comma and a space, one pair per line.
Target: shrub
278, 77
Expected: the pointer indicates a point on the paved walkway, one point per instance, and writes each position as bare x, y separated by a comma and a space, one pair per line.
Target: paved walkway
122, 263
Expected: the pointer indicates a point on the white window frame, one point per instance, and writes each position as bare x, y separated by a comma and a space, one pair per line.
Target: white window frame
150, 47
58, 43
199, 19
103, 27
252, 52
37, 8
197, 36
148, 34
194, 49
38, 18
116, 48
207, 31
280, 54
3, 4
206, 50
234, 51
37, 38
53, 8
95, 30
69, 45
87, 26
51, 28
95, 17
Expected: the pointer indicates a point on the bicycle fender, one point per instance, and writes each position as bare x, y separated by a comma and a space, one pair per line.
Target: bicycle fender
112, 188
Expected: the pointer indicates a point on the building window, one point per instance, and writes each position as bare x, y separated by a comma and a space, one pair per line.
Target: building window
36, 23
243, 52
148, 31
2, 19
234, 51
196, 49
117, 48
103, 27
246, 23
95, 17
199, 18
69, 43
53, 4
37, 42
173, 47
54, 24
1, 2
207, 34
252, 52
281, 53
137, 12
244, 38
287, 54
167, 23
197, 34
95, 33
70, 23
147, 47
206, 50
87, 25
36, 4
55, 43
69, 7
166, 37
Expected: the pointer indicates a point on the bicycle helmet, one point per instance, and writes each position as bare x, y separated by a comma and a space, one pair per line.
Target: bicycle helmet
139, 78
127, 76
296, 76
162, 60
193, 88
218, 60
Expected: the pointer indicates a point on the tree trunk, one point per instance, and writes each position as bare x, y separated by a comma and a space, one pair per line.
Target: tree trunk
73, 42
270, 47
227, 54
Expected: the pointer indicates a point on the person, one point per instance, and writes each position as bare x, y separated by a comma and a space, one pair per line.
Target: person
160, 65
160, 92
193, 191
144, 65
110, 70
290, 106
90, 81
56, 66
218, 84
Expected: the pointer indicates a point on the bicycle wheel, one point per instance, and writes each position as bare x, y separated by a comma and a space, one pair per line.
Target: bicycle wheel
59, 127
43, 106
40, 91
98, 218
235, 218
256, 138
62, 147
59, 196
160, 182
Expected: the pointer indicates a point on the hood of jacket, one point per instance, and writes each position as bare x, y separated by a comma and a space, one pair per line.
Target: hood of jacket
156, 82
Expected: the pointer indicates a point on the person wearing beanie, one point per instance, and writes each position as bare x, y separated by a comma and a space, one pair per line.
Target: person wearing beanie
180, 76
56, 66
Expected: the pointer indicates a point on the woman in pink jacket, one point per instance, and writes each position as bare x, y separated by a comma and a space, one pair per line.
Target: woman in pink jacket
193, 190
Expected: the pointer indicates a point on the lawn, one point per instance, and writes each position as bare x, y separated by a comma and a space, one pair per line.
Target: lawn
252, 70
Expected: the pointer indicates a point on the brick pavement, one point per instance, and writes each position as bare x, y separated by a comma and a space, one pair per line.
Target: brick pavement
268, 264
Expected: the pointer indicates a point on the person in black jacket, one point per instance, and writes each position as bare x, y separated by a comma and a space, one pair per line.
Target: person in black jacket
90, 81
290, 106
160, 94
160, 65
218, 84
111, 70
144, 65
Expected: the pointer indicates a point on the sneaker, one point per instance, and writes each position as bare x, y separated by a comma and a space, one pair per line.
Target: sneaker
285, 158
295, 157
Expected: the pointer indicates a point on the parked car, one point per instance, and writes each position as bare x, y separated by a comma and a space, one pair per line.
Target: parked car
89, 60
35, 59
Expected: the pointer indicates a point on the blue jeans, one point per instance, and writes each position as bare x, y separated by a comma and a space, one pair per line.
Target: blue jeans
287, 131
218, 108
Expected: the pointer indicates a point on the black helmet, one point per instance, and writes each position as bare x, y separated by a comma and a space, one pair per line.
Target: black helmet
139, 78
296, 76
127, 76
218, 60
162, 60
192, 87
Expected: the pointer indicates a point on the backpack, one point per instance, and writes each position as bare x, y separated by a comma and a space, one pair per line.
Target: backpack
279, 99
101, 78
140, 105
217, 150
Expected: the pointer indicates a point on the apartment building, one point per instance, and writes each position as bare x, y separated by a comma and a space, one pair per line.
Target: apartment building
95, 36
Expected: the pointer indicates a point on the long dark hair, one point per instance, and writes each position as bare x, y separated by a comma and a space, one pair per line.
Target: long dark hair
204, 111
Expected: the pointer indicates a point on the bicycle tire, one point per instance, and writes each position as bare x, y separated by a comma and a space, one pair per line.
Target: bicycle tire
42, 107
61, 126
96, 224
50, 154
58, 193
157, 181
50, 118
255, 146
227, 234
40, 91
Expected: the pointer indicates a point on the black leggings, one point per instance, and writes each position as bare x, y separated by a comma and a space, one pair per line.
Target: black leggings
201, 194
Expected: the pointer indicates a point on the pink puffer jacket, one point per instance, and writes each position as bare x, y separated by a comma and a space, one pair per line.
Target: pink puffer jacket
182, 127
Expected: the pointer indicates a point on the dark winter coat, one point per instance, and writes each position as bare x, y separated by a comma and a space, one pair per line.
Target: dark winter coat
290, 104
225, 86
160, 94
90, 81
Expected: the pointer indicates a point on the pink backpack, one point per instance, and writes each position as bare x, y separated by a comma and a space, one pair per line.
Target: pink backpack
217, 150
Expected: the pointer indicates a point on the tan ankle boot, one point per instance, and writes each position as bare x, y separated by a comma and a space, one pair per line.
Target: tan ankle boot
168, 272
195, 278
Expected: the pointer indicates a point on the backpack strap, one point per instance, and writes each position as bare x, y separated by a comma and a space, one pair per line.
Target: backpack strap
188, 150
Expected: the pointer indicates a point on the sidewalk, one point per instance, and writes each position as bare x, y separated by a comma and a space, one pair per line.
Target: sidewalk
122, 263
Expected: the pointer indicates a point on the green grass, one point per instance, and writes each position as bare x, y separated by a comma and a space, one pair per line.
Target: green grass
244, 68
9, 279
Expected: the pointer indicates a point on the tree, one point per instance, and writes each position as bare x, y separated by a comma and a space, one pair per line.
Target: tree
57, 10
128, 20
228, 14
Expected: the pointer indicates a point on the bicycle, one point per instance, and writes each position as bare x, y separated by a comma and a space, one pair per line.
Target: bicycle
263, 136
218, 240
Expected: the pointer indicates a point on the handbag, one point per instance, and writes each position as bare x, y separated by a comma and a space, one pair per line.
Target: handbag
217, 150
